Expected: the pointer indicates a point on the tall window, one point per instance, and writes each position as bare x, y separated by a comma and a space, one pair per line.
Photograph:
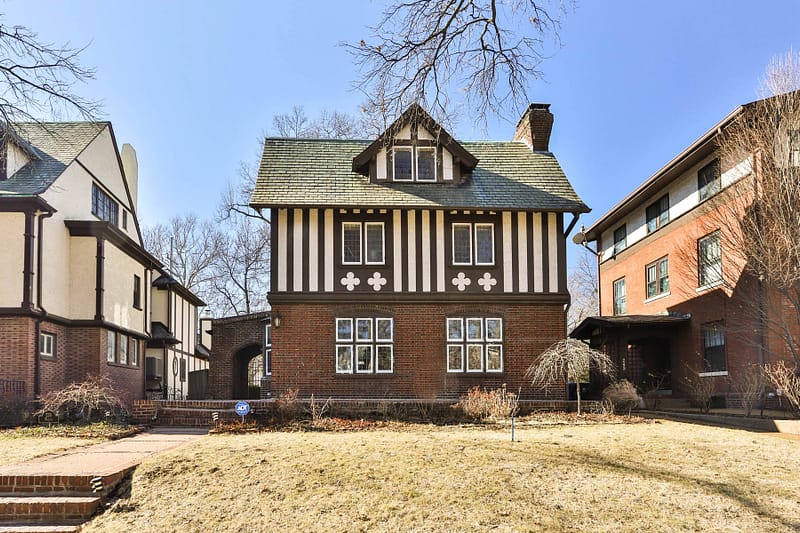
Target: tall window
708, 180
657, 213
657, 274
134, 352
714, 347
709, 259
364, 345
619, 296
403, 164
474, 344
103, 206
47, 344
137, 291
111, 347
620, 239
794, 148
426, 164
363, 242
123, 349
465, 235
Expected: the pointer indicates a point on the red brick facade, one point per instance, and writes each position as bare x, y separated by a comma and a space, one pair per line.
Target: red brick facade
235, 341
303, 349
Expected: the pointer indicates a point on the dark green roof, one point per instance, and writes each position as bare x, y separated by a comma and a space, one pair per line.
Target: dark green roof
55, 145
309, 172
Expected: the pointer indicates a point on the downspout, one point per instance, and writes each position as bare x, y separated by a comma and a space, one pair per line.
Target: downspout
39, 306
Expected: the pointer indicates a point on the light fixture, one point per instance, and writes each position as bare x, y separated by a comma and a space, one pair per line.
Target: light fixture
580, 238
276, 320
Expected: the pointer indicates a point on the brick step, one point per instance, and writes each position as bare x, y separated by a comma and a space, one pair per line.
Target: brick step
55, 484
67, 526
47, 508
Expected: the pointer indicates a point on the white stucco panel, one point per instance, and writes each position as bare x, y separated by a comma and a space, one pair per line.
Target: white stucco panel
80, 279
12, 228
118, 272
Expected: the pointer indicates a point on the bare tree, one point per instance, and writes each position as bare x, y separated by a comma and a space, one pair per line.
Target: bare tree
569, 359
484, 52
240, 270
292, 124
583, 287
334, 125
188, 247
38, 79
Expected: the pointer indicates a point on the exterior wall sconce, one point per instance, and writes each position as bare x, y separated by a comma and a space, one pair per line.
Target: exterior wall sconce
580, 239
276, 320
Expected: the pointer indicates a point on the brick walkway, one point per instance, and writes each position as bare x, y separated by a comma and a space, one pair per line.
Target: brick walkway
56, 492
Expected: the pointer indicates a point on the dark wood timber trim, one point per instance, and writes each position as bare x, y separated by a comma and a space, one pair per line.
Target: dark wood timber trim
109, 232
56, 319
421, 298
99, 279
27, 269
29, 203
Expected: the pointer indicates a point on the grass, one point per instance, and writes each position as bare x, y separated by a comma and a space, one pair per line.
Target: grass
23, 443
658, 477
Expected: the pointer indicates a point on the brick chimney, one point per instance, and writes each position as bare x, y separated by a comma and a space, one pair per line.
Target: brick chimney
535, 126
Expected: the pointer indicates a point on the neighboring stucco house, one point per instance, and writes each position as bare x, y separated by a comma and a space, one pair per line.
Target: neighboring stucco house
415, 265
75, 296
673, 292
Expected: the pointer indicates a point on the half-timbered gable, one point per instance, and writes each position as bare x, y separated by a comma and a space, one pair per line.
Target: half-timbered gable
414, 218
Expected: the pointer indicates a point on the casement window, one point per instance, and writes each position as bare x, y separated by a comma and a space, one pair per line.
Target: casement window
123, 349
619, 297
111, 347
713, 335
363, 243
183, 369
620, 239
414, 163
657, 276
137, 292
708, 180
657, 213
709, 260
47, 345
103, 206
468, 237
474, 344
134, 353
364, 345
124, 219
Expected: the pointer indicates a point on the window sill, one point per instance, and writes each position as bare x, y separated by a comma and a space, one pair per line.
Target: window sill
712, 374
121, 365
475, 372
44, 357
363, 375
657, 297
709, 286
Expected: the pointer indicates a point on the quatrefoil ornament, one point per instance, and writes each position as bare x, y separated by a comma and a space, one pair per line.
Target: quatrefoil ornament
377, 281
461, 281
350, 281
487, 282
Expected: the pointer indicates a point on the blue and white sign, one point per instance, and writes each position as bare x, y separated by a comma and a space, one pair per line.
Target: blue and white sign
242, 408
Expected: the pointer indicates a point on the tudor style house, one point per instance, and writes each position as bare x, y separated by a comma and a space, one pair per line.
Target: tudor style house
674, 294
75, 296
415, 265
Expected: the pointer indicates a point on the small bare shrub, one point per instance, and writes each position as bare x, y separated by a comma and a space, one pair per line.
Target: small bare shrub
786, 382
622, 396
482, 404
289, 407
652, 386
88, 401
700, 389
423, 408
749, 386
13, 411
318, 411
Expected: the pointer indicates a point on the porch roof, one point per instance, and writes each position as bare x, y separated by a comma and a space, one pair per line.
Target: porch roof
589, 324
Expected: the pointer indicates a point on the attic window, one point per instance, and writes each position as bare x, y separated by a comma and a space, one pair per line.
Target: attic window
415, 163
402, 164
103, 206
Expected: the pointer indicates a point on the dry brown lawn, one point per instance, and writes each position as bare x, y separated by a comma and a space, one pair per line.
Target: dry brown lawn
663, 476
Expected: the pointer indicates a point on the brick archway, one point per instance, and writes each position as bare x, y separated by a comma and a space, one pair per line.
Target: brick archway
234, 340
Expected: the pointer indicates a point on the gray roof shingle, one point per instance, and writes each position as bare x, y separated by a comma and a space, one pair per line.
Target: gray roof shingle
312, 172
55, 145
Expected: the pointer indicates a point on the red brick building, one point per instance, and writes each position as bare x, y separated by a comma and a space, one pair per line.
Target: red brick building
415, 266
674, 293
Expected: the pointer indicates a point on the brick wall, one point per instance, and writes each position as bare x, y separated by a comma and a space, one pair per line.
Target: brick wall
229, 336
303, 351
17, 344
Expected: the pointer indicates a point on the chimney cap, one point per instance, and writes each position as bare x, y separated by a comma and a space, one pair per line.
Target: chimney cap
536, 106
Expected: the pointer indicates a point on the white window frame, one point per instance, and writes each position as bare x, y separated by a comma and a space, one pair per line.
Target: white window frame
360, 243
341, 370
111, 346
352, 334
473, 228
391, 365
431, 149
123, 349
467, 343
619, 283
366, 242
702, 283
47, 344
391, 329
656, 266
453, 242
476, 247
410, 150
354, 344
368, 348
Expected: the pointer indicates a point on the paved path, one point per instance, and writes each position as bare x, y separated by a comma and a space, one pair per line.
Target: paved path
108, 457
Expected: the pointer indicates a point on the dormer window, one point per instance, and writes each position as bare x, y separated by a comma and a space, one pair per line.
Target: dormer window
415, 163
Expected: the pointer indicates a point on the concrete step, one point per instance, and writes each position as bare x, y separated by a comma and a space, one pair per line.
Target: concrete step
67, 526
47, 508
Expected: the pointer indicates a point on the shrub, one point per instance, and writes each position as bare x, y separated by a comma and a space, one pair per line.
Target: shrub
289, 407
750, 387
481, 403
652, 386
318, 411
13, 411
700, 389
88, 401
786, 381
622, 396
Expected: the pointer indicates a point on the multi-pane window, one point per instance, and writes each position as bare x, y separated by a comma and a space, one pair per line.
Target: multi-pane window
657, 213
426, 164
134, 352
103, 206
620, 239
619, 296
123, 349
183, 369
466, 237
657, 274
708, 180
714, 347
474, 344
709, 259
363, 242
137, 291
364, 345
111, 347
414, 163
47, 344
403, 169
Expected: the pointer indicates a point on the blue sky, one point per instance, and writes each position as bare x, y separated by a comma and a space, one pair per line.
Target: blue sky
193, 84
